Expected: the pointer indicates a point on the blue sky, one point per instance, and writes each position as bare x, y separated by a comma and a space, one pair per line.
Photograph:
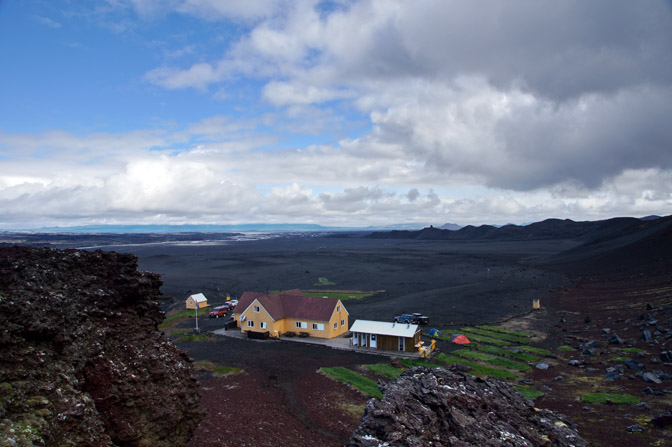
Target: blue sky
336, 113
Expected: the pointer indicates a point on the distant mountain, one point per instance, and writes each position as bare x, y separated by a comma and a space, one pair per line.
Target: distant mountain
450, 226
547, 229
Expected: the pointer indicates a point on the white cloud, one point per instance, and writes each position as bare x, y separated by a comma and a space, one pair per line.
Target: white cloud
472, 113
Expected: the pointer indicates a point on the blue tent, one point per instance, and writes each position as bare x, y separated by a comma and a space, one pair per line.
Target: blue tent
434, 332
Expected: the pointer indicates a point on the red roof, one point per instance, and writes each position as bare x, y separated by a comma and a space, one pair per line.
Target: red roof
290, 304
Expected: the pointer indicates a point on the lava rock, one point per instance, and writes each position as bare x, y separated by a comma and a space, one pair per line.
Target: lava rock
451, 408
615, 340
662, 420
651, 378
83, 362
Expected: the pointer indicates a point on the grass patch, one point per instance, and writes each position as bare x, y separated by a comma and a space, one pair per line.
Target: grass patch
343, 295
603, 398
505, 331
384, 370
194, 337
174, 318
475, 368
483, 339
565, 348
634, 350
217, 370
356, 411
348, 376
504, 352
492, 359
409, 363
619, 359
475, 337
534, 350
527, 392
324, 282
498, 335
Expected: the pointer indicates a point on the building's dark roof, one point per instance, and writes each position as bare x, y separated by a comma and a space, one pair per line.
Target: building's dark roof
290, 304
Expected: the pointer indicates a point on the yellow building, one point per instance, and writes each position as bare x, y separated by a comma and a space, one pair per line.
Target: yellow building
291, 311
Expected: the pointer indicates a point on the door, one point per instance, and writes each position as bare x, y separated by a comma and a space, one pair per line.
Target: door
373, 341
364, 337
401, 343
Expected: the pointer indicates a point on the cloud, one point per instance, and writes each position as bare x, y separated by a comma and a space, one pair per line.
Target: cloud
382, 111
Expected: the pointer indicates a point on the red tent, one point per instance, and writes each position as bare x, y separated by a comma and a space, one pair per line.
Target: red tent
459, 339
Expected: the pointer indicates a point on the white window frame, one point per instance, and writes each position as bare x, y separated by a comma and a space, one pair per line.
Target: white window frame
342, 322
335, 325
250, 323
262, 325
318, 326
302, 325
338, 308
256, 308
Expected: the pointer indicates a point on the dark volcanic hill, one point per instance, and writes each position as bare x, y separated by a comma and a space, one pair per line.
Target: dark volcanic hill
547, 229
642, 248
82, 362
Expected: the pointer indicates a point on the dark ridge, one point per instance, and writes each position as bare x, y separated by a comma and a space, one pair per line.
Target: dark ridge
547, 229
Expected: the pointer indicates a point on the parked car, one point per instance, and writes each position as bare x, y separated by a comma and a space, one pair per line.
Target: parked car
404, 318
421, 319
415, 318
218, 313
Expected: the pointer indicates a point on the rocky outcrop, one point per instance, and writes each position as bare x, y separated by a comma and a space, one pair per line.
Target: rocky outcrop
439, 407
81, 360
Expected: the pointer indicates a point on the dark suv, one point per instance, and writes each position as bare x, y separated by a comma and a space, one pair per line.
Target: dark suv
415, 318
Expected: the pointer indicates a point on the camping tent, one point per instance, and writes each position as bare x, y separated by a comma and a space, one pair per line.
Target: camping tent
459, 339
433, 332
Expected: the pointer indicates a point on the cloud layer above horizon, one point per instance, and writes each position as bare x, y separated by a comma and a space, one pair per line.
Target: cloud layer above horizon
337, 113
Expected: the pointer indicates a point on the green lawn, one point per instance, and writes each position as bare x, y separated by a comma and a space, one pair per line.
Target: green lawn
504, 331
177, 317
343, 295
324, 282
348, 376
475, 368
384, 369
491, 359
503, 352
409, 363
527, 392
534, 350
217, 370
498, 335
483, 339
603, 398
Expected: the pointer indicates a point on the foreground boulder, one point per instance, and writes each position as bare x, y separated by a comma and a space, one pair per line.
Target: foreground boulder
438, 407
81, 360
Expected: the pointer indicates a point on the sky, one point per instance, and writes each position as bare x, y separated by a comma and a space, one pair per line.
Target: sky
338, 113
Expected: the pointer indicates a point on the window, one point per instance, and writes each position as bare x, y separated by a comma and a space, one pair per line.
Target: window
301, 325
256, 308
262, 325
318, 327
250, 323
342, 322
338, 308
335, 325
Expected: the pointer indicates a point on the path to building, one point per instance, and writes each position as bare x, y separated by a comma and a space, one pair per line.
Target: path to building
342, 343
